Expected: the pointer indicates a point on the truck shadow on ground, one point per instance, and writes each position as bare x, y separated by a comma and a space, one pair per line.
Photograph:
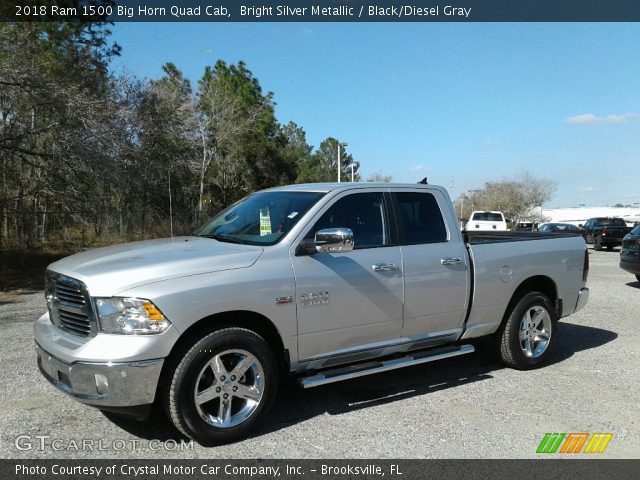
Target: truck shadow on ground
295, 405
633, 284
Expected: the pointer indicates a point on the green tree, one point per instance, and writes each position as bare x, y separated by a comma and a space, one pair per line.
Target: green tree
57, 126
322, 166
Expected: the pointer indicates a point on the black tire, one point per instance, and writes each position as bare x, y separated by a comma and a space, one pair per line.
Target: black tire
510, 350
596, 244
180, 400
610, 247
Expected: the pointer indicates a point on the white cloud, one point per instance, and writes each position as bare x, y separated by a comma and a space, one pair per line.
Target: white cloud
611, 119
415, 168
590, 190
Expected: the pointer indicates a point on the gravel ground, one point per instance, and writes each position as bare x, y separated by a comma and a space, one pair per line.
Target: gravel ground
469, 407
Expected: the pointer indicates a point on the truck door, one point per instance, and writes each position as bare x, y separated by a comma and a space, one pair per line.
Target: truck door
352, 301
435, 265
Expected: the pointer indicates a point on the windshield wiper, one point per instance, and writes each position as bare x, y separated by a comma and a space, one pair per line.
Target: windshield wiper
223, 238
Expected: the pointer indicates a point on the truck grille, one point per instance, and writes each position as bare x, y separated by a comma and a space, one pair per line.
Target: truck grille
69, 304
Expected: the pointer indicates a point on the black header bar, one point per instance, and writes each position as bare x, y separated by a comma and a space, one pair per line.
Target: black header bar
322, 10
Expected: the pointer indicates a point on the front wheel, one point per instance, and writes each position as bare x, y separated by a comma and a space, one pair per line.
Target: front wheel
223, 387
527, 336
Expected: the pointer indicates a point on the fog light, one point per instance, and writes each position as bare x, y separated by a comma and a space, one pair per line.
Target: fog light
102, 383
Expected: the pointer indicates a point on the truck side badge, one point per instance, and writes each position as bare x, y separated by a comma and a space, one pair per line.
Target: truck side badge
284, 300
316, 298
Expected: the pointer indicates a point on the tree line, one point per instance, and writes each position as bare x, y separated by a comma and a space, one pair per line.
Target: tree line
95, 157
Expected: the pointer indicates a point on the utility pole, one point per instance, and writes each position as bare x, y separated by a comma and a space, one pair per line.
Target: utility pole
351, 172
340, 145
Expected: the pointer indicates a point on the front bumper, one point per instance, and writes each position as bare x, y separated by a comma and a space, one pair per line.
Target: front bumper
111, 384
583, 298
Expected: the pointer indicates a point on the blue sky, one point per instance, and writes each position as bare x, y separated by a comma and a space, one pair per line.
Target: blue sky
461, 102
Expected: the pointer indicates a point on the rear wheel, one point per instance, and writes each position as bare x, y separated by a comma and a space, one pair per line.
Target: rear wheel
527, 336
223, 387
596, 244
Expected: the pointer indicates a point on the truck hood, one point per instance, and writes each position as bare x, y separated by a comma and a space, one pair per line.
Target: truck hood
109, 270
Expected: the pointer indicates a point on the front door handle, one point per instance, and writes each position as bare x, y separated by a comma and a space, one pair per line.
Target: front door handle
450, 260
384, 267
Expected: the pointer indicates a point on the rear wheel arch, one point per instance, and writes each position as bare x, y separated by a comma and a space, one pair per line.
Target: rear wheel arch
537, 283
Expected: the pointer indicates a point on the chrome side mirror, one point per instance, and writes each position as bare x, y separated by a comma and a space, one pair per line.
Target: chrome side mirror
334, 240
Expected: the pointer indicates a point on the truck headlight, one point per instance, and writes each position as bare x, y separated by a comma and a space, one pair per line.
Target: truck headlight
130, 316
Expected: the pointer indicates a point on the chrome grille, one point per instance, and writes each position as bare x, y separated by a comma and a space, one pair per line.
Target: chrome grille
69, 304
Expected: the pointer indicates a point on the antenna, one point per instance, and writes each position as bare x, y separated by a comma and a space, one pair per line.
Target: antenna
423, 181
170, 208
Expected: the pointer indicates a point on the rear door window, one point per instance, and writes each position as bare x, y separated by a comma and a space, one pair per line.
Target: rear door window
419, 218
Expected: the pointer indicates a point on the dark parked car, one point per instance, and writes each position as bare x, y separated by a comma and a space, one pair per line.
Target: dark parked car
605, 232
559, 228
630, 254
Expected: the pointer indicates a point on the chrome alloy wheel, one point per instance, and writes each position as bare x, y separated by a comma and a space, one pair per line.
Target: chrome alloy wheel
229, 388
535, 331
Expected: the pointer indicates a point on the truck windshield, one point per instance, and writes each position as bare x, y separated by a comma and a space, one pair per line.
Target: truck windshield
260, 219
487, 217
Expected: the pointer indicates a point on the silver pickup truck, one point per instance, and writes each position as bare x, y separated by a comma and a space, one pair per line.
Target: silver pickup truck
325, 282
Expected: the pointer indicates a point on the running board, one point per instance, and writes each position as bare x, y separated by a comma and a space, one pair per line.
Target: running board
360, 370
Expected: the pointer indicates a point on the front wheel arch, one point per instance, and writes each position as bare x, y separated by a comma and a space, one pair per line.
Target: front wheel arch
248, 320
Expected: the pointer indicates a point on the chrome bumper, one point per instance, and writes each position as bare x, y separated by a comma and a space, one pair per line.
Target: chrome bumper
583, 298
109, 384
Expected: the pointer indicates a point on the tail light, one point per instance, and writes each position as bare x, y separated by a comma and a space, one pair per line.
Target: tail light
604, 231
585, 266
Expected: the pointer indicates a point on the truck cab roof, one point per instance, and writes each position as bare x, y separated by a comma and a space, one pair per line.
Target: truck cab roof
332, 186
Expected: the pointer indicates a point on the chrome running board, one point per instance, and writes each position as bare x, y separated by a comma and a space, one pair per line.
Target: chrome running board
369, 368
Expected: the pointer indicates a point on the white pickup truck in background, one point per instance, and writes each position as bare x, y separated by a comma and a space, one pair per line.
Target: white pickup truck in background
481, 221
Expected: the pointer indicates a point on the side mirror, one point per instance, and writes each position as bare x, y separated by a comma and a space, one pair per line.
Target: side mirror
580, 225
334, 240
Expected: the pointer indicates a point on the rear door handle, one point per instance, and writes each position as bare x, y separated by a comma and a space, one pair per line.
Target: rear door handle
450, 260
384, 267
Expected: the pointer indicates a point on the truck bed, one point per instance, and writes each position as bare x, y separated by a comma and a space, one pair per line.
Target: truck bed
501, 261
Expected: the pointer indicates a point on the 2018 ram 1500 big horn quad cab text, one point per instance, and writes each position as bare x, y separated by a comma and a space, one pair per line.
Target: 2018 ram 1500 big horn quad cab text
326, 282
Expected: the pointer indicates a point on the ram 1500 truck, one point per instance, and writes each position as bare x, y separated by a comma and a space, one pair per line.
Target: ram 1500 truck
325, 282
